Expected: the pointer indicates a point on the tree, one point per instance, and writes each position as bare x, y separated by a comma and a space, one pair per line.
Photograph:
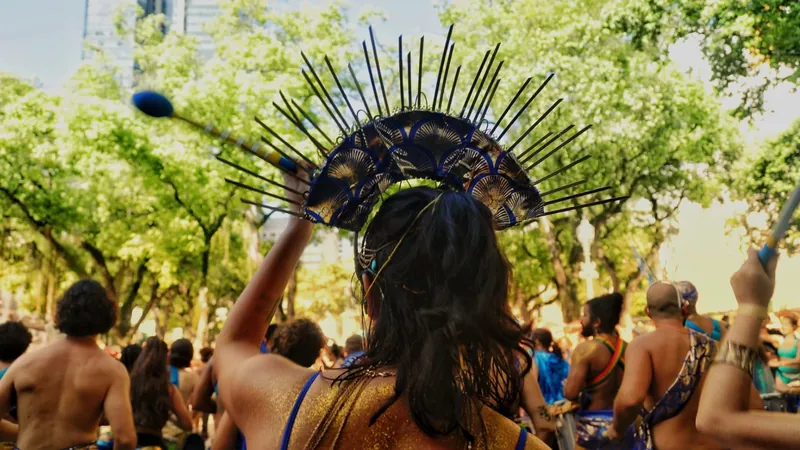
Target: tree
767, 181
660, 138
739, 38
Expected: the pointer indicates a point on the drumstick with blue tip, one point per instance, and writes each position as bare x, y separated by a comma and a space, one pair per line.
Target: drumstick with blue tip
156, 105
780, 228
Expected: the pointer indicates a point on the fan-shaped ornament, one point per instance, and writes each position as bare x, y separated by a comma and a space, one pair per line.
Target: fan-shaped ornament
436, 141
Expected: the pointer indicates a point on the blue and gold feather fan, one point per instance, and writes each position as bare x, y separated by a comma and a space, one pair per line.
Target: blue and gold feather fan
415, 142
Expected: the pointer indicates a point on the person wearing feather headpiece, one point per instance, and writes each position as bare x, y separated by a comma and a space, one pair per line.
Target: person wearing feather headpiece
664, 374
445, 359
709, 326
596, 372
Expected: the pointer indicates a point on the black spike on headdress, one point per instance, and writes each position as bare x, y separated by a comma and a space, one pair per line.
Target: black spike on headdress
360, 92
491, 97
312, 122
322, 100
400, 60
251, 173
273, 208
372, 78
441, 65
474, 82
341, 90
510, 105
535, 124
446, 72
324, 90
488, 90
586, 205
455, 149
378, 68
578, 195
569, 139
525, 106
421, 65
483, 80
260, 191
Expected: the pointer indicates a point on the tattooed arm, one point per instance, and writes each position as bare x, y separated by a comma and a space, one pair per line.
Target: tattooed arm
534, 405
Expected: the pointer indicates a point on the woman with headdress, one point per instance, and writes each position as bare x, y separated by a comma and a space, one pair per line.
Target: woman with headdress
551, 366
153, 397
445, 359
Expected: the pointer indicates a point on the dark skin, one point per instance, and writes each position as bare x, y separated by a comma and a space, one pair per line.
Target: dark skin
588, 360
259, 390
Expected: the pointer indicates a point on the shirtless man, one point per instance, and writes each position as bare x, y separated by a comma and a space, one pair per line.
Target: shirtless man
63, 389
664, 373
712, 328
596, 371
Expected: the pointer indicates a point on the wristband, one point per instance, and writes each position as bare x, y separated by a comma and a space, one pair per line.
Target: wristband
751, 310
737, 355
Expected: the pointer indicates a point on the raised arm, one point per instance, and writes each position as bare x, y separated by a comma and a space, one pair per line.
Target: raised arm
635, 385
723, 411
578, 371
247, 322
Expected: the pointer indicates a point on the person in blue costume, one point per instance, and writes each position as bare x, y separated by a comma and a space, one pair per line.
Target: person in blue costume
788, 367
664, 372
709, 326
596, 372
550, 364
353, 349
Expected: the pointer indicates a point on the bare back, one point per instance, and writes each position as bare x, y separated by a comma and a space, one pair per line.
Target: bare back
62, 388
667, 349
268, 392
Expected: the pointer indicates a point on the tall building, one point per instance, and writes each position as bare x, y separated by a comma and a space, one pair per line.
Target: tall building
197, 14
102, 40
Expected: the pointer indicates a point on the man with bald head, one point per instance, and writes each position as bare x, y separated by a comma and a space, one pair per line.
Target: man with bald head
663, 378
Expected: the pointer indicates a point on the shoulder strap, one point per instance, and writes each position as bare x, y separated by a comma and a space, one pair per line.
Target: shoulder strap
617, 357
287, 432
523, 439
174, 375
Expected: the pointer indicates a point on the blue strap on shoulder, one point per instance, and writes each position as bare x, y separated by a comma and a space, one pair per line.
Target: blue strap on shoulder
287, 432
523, 439
174, 375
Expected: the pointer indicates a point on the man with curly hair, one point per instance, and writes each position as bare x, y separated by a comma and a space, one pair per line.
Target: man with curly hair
63, 389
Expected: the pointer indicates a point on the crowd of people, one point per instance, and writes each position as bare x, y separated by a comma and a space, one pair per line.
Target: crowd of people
443, 363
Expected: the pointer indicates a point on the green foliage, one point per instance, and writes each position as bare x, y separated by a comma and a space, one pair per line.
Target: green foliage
738, 37
767, 181
659, 137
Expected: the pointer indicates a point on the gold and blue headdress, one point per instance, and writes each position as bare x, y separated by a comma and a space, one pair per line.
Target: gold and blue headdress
455, 147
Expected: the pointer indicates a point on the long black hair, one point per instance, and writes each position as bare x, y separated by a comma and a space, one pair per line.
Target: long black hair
545, 339
442, 316
150, 385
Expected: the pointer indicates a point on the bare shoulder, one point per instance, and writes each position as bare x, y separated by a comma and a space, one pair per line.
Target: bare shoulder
584, 350
268, 373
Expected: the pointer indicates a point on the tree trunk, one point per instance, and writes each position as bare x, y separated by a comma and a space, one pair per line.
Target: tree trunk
570, 308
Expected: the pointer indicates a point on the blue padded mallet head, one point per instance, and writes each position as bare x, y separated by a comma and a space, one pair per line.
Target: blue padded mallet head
153, 104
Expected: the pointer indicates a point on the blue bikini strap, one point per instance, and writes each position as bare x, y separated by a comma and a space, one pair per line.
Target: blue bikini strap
287, 433
523, 439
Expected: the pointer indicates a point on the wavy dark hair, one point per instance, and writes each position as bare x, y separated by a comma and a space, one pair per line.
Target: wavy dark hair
545, 339
85, 310
14, 340
608, 309
300, 341
150, 385
443, 317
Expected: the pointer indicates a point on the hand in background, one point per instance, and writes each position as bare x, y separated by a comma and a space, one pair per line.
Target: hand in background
752, 283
